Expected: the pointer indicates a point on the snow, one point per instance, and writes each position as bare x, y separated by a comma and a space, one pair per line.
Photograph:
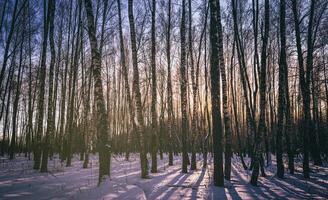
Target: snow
271, 187
19, 181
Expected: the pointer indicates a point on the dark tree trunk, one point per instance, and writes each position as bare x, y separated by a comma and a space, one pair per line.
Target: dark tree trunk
234, 107
72, 124
50, 120
136, 89
305, 90
312, 136
249, 118
183, 90
3, 11
282, 91
30, 98
170, 120
194, 130
16, 100
256, 65
154, 92
125, 77
87, 123
257, 157
63, 107
41, 93
226, 116
102, 117
55, 147
7, 45
215, 96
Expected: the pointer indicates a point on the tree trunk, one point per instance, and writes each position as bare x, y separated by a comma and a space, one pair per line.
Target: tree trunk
41, 92
51, 119
72, 124
183, 89
215, 96
3, 15
16, 100
154, 92
170, 120
136, 89
194, 130
7, 45
125, 74
102, 117
257, 157
6, 106
249, 117
30, 98
87, 119
226, 116
282, 92
304, 86
312, 136
234, 107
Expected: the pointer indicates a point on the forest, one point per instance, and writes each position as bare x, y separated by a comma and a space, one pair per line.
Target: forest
163, 99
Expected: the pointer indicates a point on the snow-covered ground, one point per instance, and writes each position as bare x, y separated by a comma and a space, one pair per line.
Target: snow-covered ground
19, 181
